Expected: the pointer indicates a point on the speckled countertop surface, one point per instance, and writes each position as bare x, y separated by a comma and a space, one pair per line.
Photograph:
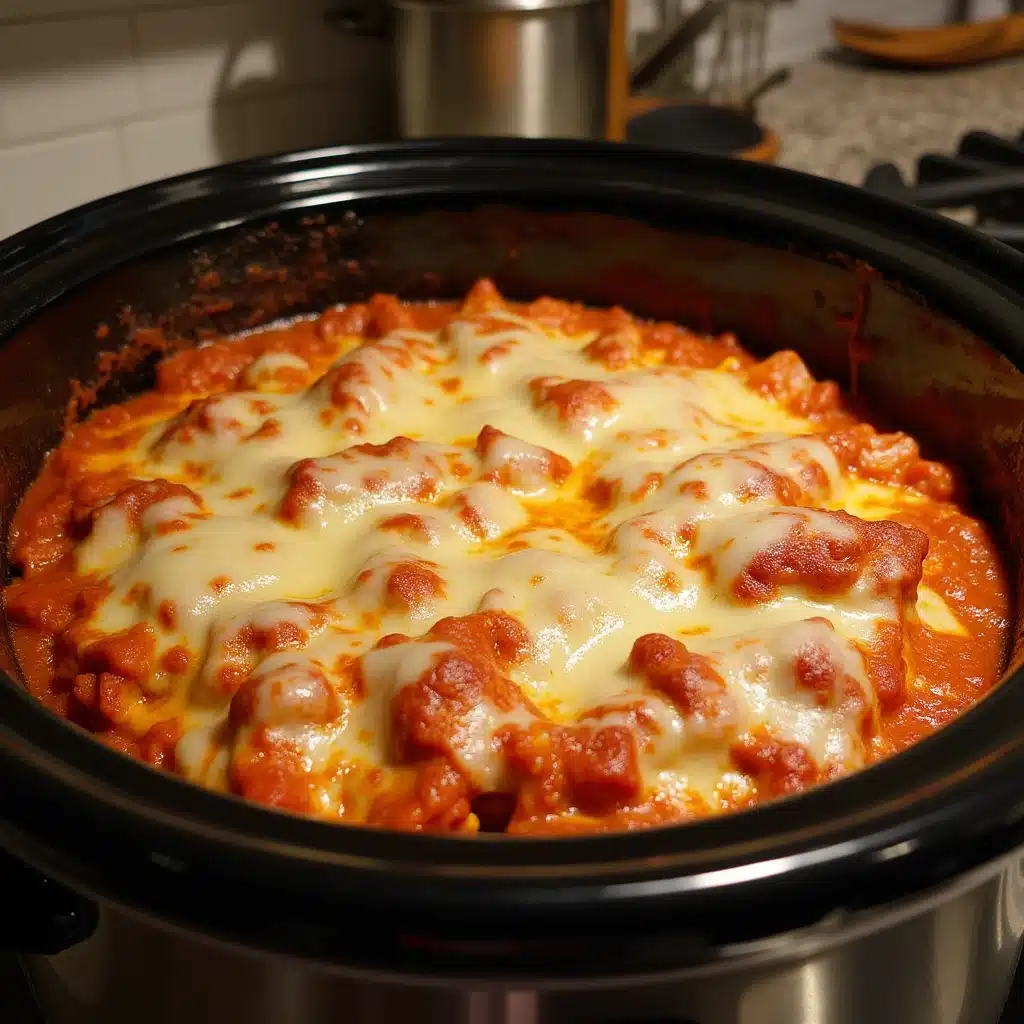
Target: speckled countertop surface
837, 119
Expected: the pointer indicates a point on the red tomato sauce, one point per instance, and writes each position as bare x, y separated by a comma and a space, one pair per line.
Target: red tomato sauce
578, 778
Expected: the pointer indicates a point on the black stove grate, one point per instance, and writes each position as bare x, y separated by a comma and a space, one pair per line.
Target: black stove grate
985, 178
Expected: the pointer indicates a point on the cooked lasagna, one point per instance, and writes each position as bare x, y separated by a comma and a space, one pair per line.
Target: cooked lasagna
500, 567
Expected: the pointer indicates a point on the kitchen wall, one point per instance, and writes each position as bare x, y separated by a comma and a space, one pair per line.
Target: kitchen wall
100, 95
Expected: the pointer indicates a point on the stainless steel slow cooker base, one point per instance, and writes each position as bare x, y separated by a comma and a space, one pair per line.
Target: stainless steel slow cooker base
947, 959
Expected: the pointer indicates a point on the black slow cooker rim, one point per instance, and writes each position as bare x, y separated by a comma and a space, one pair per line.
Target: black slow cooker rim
950, 804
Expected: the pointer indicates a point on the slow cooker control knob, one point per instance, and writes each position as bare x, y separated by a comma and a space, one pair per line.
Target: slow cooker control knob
37, 915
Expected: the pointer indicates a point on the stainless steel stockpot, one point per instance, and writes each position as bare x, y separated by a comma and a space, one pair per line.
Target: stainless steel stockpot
533, 68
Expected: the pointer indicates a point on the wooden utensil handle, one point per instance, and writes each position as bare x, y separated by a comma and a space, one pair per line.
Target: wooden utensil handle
618, 70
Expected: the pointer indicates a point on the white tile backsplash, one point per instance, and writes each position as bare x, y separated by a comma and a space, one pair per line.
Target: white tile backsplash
317, 116
184, 141
97, 95
174, 85
64, 76
192, 57
42, 9
43, 178
336, 56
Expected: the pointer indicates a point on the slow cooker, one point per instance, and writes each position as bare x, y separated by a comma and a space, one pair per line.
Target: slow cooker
893, 895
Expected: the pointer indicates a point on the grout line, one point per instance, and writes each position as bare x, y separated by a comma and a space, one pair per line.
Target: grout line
122, 152
145, 116
119, 123
105, 10
135, 49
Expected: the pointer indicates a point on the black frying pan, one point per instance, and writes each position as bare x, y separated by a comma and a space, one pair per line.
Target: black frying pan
705, 128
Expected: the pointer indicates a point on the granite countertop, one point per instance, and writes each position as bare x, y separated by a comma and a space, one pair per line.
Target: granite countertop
838, 119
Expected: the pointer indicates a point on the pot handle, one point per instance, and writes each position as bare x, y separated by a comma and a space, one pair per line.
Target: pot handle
360, 17
37, 915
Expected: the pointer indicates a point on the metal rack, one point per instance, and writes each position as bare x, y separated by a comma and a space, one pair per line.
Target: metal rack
729, 61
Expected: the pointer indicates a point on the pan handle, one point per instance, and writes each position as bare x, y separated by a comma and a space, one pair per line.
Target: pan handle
360, 17
769, 82
37, 915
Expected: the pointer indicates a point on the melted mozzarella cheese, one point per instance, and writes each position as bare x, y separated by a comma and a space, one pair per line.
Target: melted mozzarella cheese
300, 503
761, 679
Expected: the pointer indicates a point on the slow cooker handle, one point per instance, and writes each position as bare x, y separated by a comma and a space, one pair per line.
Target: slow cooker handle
37, 915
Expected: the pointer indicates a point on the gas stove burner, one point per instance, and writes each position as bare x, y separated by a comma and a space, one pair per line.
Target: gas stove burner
985, 178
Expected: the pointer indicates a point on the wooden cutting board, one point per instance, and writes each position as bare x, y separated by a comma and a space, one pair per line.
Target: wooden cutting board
941, 46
